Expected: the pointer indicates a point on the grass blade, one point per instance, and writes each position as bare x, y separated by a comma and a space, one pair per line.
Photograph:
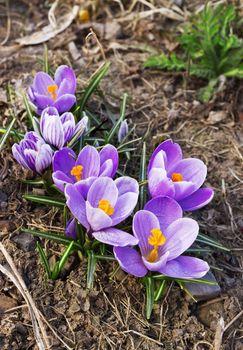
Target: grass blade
94, 82
117, 124
62, 261
43, 259
53, 236
160, 291
91, 269
191, 280
6, 134
45, 60
45, 200
29, 112
12, 132
142, 177
149, 285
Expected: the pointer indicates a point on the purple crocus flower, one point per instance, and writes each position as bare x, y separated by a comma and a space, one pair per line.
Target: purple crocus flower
107, 203
33, 153
70, 229
58, 93
86, 168
161, 241
123, 130
181, 179
58, 130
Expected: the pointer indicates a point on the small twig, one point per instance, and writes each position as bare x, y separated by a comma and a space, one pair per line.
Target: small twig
8, 25
92, 33
233, 320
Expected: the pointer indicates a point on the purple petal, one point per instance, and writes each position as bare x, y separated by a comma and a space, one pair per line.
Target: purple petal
64, 103
192, 170
30, 157
90, 160
185, 267
126, 184
143, 222
41, 82
155, 266
60, 179
70, 230
47, 113
115, 237
173, 154
123, 130
124, 207
165, 209
109, 152
42, 101
160, 160
197, 199
66, 80
64, 160
103, 188
179, 237
130, 261
106, 168
183, 189
18, 155
97, 218
76, 204
83, 186
43, 158
81, 126
68, 123
52, 130
159, 184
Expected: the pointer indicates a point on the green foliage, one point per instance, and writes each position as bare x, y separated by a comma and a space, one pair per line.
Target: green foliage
209, 48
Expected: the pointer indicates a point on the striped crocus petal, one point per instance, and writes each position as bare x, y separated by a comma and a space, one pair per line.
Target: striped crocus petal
51, 127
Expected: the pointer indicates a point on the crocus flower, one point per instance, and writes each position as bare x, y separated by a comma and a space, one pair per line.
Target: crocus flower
58, 92
58, 130
70, 229
89, 164
123, 130
161, 241
107, 203
181, 179
33, 153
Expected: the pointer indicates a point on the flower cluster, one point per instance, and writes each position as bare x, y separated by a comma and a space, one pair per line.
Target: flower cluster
101, 201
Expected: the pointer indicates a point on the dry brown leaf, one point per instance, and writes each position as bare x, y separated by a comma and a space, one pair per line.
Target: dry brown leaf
48, 32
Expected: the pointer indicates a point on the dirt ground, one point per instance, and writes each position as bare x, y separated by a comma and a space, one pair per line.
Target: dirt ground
161, 105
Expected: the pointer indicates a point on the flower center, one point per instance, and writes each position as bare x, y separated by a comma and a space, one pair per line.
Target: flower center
177, 177
52, 89
156, 239
77, 171
106, 207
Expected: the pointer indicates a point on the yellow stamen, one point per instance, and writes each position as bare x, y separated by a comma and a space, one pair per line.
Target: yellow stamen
153, 255
52, 89
156, 239
106, 207
177, 177
77, 171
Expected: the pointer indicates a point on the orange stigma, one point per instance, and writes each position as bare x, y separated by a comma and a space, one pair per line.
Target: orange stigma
106, 207
156, 239
177, 177
77, 171
52, 89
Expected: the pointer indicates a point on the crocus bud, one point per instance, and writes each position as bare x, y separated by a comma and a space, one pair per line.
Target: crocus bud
71, 230
59, 130
33, 153
123, 130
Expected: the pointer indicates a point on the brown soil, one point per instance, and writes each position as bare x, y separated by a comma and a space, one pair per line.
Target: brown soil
163, 105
